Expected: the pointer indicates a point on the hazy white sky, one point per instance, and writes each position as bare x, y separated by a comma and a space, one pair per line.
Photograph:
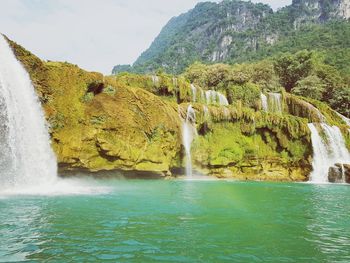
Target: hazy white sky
95, 34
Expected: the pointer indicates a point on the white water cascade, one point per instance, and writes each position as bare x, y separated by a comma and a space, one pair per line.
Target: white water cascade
188, 134
272, 102
275, 102
155, 80
264, 103
194, 92
208, 97
215, 97
327, 153
26, 157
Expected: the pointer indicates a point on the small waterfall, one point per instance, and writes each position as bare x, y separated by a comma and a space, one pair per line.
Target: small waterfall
26, 157
215, 97
264, 103
202, 95
206, 112
188, 134
327, 152
194, 93
272, 102
208, 97
155, 80
275, 102
226, 113
175, 82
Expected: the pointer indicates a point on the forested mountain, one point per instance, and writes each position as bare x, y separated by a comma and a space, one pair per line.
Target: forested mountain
235, 31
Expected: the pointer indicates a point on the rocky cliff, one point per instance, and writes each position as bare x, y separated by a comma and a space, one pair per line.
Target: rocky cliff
236, 31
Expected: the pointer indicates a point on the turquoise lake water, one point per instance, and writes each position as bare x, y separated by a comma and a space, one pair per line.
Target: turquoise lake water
179, 221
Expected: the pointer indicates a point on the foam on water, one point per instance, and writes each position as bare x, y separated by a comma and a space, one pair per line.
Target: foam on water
61, 187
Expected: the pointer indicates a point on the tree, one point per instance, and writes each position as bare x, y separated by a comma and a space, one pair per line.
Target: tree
218, 73
263, 74
340, 101
197, 73
292, 68
311, 87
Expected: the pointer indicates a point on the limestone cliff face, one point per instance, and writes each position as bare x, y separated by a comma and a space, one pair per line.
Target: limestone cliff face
231, 31
320, 10
209, 32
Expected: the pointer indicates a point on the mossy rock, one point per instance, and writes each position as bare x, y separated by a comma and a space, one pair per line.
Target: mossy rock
120, 127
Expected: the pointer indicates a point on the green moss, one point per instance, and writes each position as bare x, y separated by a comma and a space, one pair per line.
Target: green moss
110, 90
175, 89
87, 97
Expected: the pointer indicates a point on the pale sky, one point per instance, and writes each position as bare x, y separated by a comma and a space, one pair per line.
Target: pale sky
94, 34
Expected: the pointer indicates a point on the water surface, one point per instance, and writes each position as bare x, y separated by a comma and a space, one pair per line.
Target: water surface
179, 221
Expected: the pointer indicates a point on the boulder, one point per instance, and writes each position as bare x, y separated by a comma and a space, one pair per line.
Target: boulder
335, 174
347, 173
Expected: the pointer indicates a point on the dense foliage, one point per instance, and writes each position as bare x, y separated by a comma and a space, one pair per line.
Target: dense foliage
304, 73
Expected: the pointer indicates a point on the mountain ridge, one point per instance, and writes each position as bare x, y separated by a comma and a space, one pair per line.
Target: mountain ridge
233, 31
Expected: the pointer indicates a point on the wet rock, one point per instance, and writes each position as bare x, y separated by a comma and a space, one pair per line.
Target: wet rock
347, 172
335, 174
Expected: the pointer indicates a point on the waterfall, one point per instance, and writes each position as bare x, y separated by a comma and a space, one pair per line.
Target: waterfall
327, 152
175, 82
155, 80
272, 102
264, 104
188, 133
226, 113
215, 97
26, 158
275, 102
194, 92
202, 95
206, 112
209, 96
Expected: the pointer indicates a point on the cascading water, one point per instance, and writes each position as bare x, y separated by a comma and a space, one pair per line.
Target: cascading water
188, 133
275, 102
215, 97
194, 92
327, 152
155, 80
206, 112
264, 103
208, 97
175, 82
26, 157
